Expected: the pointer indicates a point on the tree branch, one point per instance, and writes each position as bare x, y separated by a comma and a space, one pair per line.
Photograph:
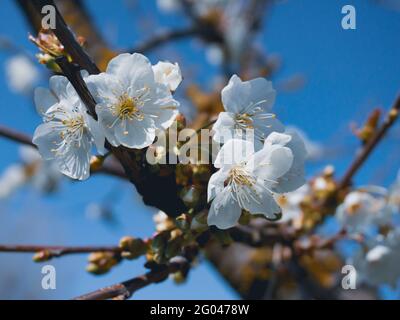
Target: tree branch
58, 251
165, 37
16, 136
369, 147
124, 290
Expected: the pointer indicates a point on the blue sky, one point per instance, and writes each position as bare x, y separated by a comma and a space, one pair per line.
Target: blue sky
347, 72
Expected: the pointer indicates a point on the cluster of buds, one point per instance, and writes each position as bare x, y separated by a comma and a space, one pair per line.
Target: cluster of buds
193, 179
368, 130
50, 48
324, 186
314, 205
165, 245
171, 239
102, 262
132, 248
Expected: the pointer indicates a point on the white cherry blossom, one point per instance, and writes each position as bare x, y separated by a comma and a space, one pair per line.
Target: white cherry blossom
168, 5
363, 208
131, 105
380, 264
168, 74
247, 106
11, 179
290, 203
249, 180
21, 73
44, 175
68, 132
394, 194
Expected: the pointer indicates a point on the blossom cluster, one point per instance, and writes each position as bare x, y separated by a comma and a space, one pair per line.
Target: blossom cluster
372, 212
134, 101
133, 98
252, 172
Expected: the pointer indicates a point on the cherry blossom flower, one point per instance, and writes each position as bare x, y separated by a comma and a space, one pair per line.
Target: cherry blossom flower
11, 179
43, 175
248, 105
68, 132
394, 194
290, 203
168, 74
249, 180
131, 105
21, 73
168, 5
380, 264
362, 208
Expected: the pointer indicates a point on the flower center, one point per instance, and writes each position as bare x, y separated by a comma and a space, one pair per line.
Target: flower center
127, 109
354, 208
71, 133
239, 176
241, 185
282, 201
73, 128
244, 121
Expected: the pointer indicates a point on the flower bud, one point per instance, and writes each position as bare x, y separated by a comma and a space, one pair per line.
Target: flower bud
132, 248
182, 222
101, 262
42, 256
96, 162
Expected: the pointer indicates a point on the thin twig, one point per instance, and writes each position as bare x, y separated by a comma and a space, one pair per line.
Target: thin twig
162, 38
125, 289
16, 136
57, 251
369, 147
318, 243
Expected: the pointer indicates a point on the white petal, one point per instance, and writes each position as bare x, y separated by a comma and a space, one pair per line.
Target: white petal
58, 85
97, 134
234, 152
224, 211
44, 99
76, 161
271, 163
238, 94
168, 74
268, 126
46, 138
135, 134
104, 88
161, 106
263, 204
261, 90
224, 127
107, 121
216, 184
295, 177
132, 69
278, 139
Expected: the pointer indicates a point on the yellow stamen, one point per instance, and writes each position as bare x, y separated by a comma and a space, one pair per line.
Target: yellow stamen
127, 109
